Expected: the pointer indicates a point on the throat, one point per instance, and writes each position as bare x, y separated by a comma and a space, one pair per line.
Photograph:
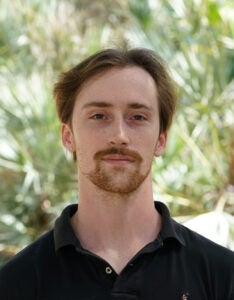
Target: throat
117, 242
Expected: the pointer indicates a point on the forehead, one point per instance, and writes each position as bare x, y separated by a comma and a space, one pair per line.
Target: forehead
119, 86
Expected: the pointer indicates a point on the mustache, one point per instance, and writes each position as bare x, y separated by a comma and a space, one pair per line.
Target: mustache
121, 151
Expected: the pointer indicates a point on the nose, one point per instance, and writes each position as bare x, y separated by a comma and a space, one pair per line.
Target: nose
118, 133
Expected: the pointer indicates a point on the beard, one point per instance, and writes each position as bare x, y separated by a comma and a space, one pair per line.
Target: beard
118, 179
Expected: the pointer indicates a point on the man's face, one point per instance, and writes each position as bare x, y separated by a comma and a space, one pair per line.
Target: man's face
115, 129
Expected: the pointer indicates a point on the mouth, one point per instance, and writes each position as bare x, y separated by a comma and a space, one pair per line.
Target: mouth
117, 159
118, 156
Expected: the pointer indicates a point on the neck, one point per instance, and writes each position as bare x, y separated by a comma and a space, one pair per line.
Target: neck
111, 225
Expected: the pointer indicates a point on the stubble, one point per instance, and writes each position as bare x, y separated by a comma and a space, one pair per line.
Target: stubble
118, 179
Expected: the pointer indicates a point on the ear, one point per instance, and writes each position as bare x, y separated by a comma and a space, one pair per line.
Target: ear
161, 144
67, 138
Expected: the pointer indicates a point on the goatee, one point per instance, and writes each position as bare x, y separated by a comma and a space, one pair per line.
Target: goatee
120, 179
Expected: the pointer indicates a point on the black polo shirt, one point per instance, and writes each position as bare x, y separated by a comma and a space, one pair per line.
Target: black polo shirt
178, 264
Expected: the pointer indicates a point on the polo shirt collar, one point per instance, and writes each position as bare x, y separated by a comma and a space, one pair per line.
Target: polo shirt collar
64, 234
63, 231
170, 228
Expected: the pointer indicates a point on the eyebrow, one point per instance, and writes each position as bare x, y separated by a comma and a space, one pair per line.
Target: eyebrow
139, 106
97, 104
105, 104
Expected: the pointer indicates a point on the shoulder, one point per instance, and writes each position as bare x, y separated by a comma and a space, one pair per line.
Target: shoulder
25, 258
20, 273
208, 266
194, 246
205, 249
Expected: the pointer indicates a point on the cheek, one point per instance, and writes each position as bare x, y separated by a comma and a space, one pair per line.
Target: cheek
146, 149
150, 149
85, 153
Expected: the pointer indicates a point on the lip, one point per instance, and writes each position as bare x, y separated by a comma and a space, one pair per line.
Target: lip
117, 159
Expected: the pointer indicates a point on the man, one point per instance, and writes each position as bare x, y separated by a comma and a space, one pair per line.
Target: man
115, 109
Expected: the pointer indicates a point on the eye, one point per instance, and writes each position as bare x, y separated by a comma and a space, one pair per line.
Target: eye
139, 118
98, 117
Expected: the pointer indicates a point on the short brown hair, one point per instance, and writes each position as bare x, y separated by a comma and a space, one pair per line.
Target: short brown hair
71, 82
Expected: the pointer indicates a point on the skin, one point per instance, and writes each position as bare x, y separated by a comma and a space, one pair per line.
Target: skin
115, 133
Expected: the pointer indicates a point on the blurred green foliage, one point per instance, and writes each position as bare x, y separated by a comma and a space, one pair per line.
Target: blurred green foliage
39, 39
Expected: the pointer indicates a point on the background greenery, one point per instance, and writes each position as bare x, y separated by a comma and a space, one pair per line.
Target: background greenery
39, 39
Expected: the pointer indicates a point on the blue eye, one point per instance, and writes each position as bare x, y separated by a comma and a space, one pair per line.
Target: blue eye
98, 117
139, 118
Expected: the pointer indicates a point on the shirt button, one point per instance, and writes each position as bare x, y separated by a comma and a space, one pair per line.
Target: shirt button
108, 270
